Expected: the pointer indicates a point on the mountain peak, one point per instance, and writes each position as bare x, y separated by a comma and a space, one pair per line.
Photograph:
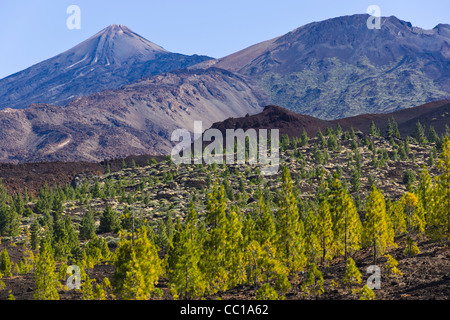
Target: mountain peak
117, 29
112, 57
324, 67
117, 44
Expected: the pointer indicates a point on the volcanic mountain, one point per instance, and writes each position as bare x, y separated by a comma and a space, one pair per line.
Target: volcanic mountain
339, 68
436, 114
136, 119
113, 57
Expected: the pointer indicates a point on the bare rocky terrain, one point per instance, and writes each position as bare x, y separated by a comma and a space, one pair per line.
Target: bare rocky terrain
133, 120
339, 68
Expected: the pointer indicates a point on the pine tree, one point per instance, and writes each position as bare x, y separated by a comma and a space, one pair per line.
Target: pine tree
265, 224
109, 190
414, 220
249, 230
432, 135
44, 202
87, 289
441, 214
290, 229
162, 240
352, 274
355, 180
109, 221
425, 192
392, 129
234, 253
373, 129
72, 242
35, 231
216, 205
347, 227
18, 204
9, 216
87, 227
324, 231
391, 267
5, 264
376, 232
107, 168
321, 138
262, 266
103, 290
64, 238
170, 227
137, 266
214, 262
27, 263
266, 292
332, 142
314, 282
338, 130
396, 215
313, 249
96, 191
185, 277
419, 134
409, 178
9, 221
304, 138
57, 219
44, 275
367, 293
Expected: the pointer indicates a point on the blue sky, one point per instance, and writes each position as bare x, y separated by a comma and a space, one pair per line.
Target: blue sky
32, 31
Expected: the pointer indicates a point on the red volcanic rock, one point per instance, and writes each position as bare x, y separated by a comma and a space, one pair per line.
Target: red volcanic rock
275, 117
136, 119
436, 114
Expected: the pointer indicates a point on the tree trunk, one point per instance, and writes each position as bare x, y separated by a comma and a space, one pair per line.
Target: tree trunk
374, 252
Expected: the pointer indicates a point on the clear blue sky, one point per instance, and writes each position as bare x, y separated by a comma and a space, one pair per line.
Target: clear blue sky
32, 30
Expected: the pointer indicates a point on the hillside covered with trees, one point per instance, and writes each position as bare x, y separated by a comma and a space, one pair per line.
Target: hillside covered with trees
341, 203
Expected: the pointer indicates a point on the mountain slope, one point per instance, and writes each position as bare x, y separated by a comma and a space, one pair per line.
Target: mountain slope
113, 57
136, 119
339, 68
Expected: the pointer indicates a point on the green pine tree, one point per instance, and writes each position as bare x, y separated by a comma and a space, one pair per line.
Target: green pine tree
45, 277
137, 267
440, 219
313, 285
324, 231
5, 264
352, 274
109, 221
185, 277
376, 231
290, 230
347, 226
87, 227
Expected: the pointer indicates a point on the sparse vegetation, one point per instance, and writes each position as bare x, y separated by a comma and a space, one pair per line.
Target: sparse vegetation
163, 231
